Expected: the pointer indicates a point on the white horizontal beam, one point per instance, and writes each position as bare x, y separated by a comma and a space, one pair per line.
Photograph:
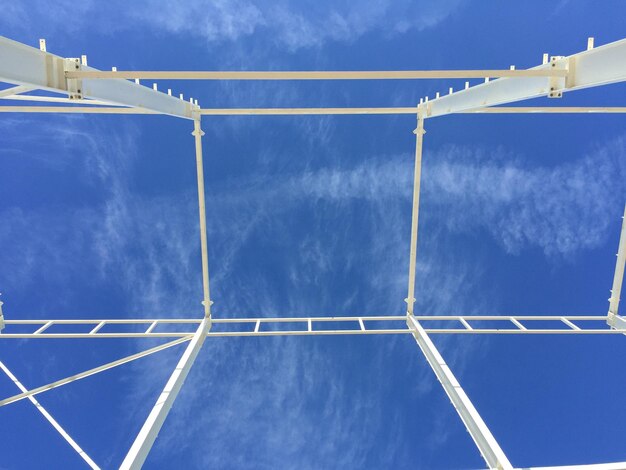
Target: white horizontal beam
600, 66
546, 109
55, 99
343, 332
30, 67
594, 466
316, 111
486, 443
573, 324
147, 321
312, 75
74, 109
406, 110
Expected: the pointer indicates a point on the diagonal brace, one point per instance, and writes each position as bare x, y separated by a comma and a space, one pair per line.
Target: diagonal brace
87, 373
51, 420
613, 319
150, 430
486, 443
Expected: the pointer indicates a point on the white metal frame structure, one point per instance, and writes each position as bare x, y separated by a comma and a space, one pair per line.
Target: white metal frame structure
29, 69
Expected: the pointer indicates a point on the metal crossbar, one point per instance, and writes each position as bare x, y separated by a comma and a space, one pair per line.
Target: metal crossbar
309, 111
30, 69
310, 326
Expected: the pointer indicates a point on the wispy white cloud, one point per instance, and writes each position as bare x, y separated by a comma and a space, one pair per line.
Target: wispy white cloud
558, 209
119, 234
290, 25
150, 243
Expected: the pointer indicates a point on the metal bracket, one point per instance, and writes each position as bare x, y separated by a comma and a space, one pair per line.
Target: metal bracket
1, 318
74, 85
557, 84
616, 322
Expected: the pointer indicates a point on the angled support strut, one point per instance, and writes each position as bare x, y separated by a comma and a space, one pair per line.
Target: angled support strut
613, 319
147, 435
486, 443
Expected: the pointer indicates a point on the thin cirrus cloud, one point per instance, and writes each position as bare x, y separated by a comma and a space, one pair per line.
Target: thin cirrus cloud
519, 205
559, 210
294, 26
301, 25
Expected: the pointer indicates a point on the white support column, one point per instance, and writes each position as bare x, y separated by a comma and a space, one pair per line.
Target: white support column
419, 139
198, 133
30, 67
613, 319
145, 439
51, 420
1, 318
599, 66
486, 443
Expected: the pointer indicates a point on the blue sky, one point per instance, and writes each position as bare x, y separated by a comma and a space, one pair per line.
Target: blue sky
311, 216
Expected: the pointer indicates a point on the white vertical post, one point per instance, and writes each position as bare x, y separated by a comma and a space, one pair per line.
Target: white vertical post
486, 443
150, 430
419, 138
613, 319
197, 133
145, 439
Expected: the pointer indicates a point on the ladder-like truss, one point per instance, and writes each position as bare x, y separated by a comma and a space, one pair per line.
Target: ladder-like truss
370, 325
29, 69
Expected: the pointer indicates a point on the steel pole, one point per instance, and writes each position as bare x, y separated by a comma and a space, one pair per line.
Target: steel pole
486, 443
419, 139
198, 133
145, 439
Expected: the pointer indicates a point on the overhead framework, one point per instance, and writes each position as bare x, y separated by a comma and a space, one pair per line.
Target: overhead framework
29, 70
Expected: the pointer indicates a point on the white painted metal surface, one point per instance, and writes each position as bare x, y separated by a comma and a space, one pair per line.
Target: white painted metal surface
58, 100
613, 318
597, 466
599, 66
197, 133
417, 177
314, 111
150, 430
15, 90
30, 67
365, 325
486, 443
51, 420
313, 75
93, 371
146, 437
